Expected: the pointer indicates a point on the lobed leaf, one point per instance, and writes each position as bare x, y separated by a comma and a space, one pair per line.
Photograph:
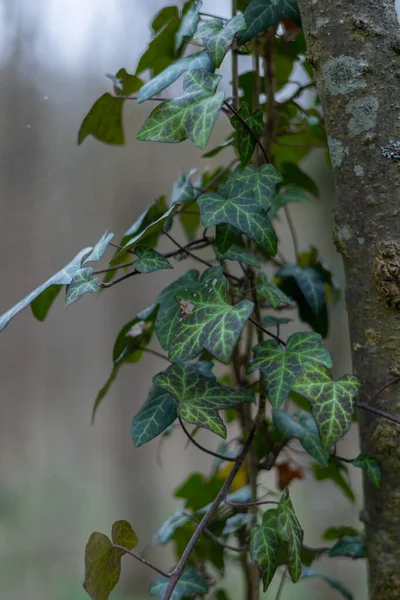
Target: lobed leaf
332, 402
217, 37
246, 137
154, 228
267, 290
281, 368
261, 14
191, 116
304, 429
99, 249
189, 584
200, 398
150, 260
81, 284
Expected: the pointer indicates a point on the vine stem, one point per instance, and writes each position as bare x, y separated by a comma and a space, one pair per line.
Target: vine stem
200, 447
143, 560
250, 504
216, 539
281, 585
176, 574
237, 114
269, 333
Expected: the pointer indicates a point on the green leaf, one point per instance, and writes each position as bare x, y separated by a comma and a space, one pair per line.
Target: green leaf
289, 195
133, 336
237, 204
153, 87
225, 235
238, 253
198, 491
267, 290
292, 174
150, 260
155, 416
189, 584
99, 249
217, 38
262, 181
104, 121
124, 83
214, 151
103, 560
81, 284
281, 367
42, 304
207, 320
236, 522
261, 14
371, 467
264, 546
161, 51
62, 277
353, 546
191, 116
304, 429
188, 25
166, 531
334, 472
307, 573
309, 283
183, 190
271, 321
246, 141
335, 533
154, 228
332, 402
163, 17
200, 398
289, 530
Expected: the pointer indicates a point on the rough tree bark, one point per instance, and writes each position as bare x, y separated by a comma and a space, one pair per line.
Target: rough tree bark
354, 47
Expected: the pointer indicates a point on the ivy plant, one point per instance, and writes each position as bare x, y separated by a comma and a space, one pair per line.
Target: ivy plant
232, 313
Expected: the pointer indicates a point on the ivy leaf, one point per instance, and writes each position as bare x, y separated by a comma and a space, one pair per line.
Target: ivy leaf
103, 560
104, 121
289, 530
264, 546
150, 260
371, 467
332, 402
289, 195
217, 38
236, 204
271, 321
261, 14
62, 277
335, 533
124, 83
236, 522
191, 116
238, 253
169, 313
225, 235
246, 141
353, 546
161, 51
262, 181
309, 283
81, 284
183, 190
155, 416
154, 228
334, 472
166, 531
307, 573
42, 304
207, 320
189, 584
198, 491
167, 77
304, 429
133, 336
188, 25
214, 151
281, 368
200, 398
267, 290
99, 249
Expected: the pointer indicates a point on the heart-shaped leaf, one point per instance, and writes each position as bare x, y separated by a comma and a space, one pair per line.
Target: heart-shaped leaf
281, 367
217, 37
200, 398
191, 116
332, 402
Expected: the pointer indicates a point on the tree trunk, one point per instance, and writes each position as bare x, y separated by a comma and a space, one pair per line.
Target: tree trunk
354, 47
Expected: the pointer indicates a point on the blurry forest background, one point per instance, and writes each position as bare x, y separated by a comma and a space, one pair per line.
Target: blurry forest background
60, 477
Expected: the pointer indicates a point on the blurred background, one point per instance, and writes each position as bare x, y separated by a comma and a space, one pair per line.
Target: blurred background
60, 477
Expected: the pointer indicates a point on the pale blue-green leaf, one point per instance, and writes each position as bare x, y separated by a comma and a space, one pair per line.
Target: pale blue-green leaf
183, 190
81, 284
99, 249
308, 573
217, 37
261, 14
238, 253
189, 584
155, 416
237, 522
188, 25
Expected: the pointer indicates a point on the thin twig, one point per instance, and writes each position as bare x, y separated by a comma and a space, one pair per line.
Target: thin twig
249, 504
216, 539
236, 113
200, 447
385, 387
377, 411
143, 560
275, 337
204, 14
281, 585
135, 98
293, 232
203, 523
154, 352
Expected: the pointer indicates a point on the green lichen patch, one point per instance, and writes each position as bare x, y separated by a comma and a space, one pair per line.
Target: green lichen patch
344, 75
364, 111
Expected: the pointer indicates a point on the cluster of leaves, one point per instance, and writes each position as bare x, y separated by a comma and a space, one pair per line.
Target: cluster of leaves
201, 318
